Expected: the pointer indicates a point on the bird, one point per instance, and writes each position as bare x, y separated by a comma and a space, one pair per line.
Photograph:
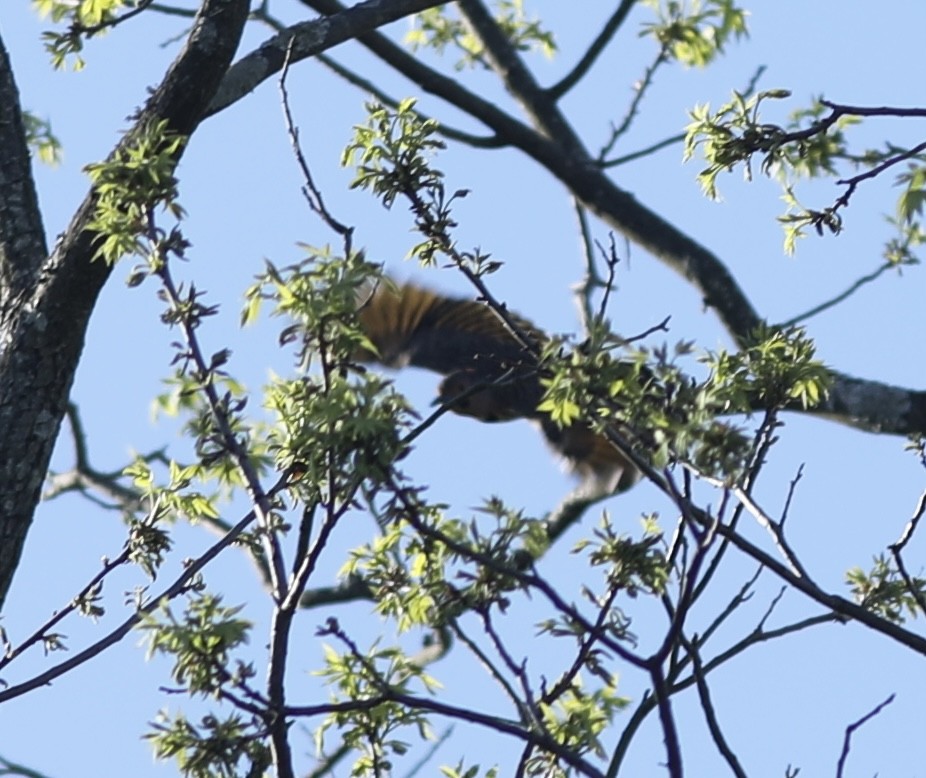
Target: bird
490, 366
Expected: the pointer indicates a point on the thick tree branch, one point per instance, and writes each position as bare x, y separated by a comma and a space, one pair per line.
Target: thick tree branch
873, 406
22, 236
307, 39
573, 165
42, 328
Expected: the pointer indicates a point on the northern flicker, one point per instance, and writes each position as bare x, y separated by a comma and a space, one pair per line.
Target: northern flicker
490, 373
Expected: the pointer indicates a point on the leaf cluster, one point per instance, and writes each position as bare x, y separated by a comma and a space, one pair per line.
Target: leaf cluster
776, 370
442, 28
130, 185
391, 152
884, 590
695, 32
200, 642
215, 748
812, 144
380, 677
86, 18
42, 139
338, 423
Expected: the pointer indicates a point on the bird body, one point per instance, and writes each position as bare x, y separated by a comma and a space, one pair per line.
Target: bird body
491, 373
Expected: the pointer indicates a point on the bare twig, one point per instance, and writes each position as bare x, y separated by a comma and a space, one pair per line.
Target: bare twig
850, 730
744, 594
641, 87
773, 527
791, 489
817, 309
587, 60
310, 191
710, 714
525, 714
896, 550
40, 634
592, 278
611, 260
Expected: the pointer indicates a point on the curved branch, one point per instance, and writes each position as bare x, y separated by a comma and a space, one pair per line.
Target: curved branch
844, 295
594, 51
710, 713
307, 39
476, 141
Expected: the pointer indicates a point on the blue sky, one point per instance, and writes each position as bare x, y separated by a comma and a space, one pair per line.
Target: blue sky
241, 190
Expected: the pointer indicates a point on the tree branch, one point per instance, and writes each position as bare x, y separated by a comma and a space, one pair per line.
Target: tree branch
307, 39
22, 235
851, 729
587, 61
710, 714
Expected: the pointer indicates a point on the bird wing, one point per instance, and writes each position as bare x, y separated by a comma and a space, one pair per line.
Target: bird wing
410, 325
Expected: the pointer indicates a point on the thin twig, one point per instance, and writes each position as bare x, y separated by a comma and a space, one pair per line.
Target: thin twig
587, 60
710, 714
43, 631
847, 741
310, 191
592, 278
824, 306
791, 489
524, 713
179, 586
640, 89
766, 521
896, 550
256, 492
